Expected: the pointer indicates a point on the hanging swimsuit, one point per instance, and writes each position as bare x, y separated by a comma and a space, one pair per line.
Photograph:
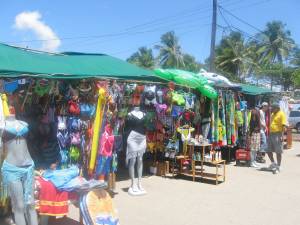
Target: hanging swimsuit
189, 101
185, 133
161, 111
188, 117
107, 142
185, 136
150, 95
160, 96
136, 97
63, 138
11, 86
150, 118
151, 141
176, 110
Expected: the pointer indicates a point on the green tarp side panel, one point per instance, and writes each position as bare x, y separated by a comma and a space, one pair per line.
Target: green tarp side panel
16, 62
254, 90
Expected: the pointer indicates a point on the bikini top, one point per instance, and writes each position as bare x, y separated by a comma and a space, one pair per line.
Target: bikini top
150, 95
185, 133
11, 133
136, 124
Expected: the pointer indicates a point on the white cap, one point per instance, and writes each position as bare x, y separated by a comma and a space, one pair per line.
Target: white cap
264, 104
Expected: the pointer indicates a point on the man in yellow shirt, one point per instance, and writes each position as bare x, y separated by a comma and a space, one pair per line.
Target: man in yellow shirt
277, 129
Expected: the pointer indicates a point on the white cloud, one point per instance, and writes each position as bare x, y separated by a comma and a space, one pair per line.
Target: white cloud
32, 21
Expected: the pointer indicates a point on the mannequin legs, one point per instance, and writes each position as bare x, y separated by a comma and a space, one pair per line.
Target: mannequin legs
19, 208
131, 171
136, 190
140, 172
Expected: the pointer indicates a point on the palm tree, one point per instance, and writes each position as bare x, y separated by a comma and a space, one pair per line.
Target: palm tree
296, 57
277, 44
231, 55
190, 63
170, 54
143, 58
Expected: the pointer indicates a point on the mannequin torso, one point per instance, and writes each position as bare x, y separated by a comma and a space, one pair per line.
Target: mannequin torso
135, 121
15, 143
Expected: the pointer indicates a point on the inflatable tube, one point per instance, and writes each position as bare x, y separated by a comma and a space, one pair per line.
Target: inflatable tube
186, 77
97, 126
187, 81
208, 91
164, 74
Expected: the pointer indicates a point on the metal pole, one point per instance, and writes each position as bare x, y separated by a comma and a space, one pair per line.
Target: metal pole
213, 37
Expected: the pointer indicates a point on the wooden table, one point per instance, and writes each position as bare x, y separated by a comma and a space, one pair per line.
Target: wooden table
216, 176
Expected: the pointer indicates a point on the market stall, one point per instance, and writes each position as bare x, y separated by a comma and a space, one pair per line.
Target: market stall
71, 109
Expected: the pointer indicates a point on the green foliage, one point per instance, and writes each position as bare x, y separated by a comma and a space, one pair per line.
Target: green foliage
231, 54
190, 63
296, 57
170, 53
143, 58
296, 78
277, 42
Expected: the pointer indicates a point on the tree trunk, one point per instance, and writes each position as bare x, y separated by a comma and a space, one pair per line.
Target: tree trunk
272, 82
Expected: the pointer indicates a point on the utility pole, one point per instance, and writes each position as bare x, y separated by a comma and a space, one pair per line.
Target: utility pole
213, 37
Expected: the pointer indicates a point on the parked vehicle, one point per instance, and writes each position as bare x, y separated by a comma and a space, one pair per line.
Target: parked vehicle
294, 120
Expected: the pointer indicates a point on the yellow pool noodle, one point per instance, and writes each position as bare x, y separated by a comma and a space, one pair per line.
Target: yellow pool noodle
97, 126
5, 105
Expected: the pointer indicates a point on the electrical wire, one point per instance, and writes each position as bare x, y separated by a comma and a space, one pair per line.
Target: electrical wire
157, 42
179, 15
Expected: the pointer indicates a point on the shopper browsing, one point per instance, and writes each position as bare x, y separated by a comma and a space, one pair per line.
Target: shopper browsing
277, 128
254, 131
263, 129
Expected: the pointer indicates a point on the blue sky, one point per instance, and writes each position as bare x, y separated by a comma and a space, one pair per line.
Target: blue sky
102, 25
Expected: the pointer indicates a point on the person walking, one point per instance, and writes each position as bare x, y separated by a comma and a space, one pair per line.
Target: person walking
263, 129
275, 142
254, 131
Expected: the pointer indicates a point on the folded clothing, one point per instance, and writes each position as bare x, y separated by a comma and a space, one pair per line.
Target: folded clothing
52, 202
60, 178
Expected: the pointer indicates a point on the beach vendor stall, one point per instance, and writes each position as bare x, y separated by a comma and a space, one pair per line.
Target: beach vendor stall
70, 110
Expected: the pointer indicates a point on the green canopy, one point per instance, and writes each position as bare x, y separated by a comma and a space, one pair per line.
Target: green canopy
16, 62
254, 90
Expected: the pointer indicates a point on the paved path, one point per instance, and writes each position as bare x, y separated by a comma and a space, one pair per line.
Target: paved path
248, 197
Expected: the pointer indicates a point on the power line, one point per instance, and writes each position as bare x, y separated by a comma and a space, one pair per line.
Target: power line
245, 22
157, 42
177, 26
179, 15
239, 19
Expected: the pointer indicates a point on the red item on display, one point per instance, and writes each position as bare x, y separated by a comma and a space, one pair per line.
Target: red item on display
74, 108
51, 201
242, 155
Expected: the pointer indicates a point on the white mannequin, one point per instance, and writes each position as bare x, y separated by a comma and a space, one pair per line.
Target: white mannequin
134, 189
137, 112
18, 156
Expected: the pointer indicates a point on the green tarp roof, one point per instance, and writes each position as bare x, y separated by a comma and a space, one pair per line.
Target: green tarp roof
16, 61
254, 90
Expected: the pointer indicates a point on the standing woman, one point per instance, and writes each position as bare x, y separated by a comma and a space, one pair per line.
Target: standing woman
254, 133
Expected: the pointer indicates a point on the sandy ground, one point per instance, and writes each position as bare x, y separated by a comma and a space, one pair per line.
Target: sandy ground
248, 197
